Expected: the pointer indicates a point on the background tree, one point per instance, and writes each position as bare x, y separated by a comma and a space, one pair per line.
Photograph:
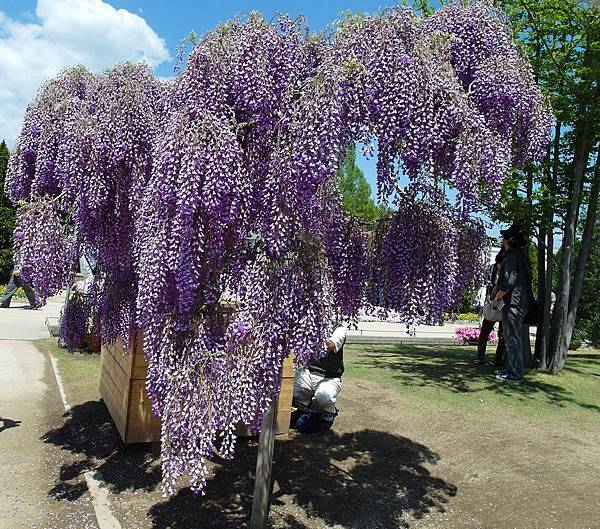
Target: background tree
7, 220
355, 190
588, 315
562, 40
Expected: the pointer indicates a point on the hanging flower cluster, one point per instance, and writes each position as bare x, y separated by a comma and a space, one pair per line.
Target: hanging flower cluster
74, 326
418, 276
44, 249
441, 256
50, 155
471, 259
210, 204
346, 252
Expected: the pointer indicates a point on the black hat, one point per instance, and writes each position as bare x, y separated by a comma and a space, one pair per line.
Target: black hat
514, 235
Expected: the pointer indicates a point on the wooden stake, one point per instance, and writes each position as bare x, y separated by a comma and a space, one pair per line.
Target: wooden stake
264, 464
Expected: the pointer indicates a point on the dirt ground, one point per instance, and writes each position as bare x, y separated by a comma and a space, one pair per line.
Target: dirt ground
32, 491
392, 460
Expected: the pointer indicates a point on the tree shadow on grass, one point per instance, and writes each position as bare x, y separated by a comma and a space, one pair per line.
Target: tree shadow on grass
582, 355
357, 479
450, 367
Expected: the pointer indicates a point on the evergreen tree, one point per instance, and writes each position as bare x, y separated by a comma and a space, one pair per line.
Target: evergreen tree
7, 220
356, 191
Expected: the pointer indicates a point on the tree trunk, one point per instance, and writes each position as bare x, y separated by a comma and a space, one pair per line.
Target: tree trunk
546, 317
541, 264
529, 187
545, 260
541, 290
558, 342
584, 250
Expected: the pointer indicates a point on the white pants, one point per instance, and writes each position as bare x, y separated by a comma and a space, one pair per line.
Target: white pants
316, 391
86, 271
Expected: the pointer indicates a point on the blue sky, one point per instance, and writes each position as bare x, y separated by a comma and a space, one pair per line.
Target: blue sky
40, 37
173, 20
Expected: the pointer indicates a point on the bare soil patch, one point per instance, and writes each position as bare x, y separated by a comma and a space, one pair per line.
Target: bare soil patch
423, 440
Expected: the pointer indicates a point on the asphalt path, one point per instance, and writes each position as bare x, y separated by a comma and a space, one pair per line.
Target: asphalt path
33, 491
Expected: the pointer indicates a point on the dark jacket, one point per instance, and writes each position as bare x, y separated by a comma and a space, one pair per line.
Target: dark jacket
515, 277
330, 366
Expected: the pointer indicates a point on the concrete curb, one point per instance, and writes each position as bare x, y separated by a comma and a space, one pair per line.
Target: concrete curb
97, 487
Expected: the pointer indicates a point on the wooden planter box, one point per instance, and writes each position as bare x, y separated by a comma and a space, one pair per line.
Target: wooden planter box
122, 386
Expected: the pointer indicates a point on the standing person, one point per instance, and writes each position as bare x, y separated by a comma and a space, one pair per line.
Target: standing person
318, 384
487, 326
87, 267
16, 282
514, 285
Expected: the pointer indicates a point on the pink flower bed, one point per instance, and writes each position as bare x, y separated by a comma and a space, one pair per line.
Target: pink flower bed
471, 334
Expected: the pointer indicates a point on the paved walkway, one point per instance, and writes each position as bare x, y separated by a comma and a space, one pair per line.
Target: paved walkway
23, 324
31, 494
20, 323
384, 332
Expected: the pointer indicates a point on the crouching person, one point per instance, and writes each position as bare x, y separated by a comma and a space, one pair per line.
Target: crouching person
318, 384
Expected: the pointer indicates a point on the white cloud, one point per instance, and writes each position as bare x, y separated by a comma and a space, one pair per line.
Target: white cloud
68, 33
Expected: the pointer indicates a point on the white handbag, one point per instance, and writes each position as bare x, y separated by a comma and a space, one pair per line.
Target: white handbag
493, 314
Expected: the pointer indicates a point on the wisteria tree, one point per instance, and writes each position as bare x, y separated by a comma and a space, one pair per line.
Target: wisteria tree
212, 208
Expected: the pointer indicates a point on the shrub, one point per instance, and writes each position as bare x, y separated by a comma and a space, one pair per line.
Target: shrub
471, 334
19, 294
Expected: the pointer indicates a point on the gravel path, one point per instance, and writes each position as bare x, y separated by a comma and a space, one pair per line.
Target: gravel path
30, 406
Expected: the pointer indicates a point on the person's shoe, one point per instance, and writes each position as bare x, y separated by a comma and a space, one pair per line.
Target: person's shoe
508, 378
308, 423
478, 361
329, 417
500, 372
492, 363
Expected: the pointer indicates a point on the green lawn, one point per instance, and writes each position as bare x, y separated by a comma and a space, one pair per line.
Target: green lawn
438, 376
432, 378
80, 372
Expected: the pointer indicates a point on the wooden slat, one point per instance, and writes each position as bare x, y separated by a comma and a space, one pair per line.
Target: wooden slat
285, 396
138, 393
116, 351
143, 433
282, 422
117, 375
142, 413
140, 358
114, 388
143, 426
115, 408
139, 373
288, 367
118, 399
119, 421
